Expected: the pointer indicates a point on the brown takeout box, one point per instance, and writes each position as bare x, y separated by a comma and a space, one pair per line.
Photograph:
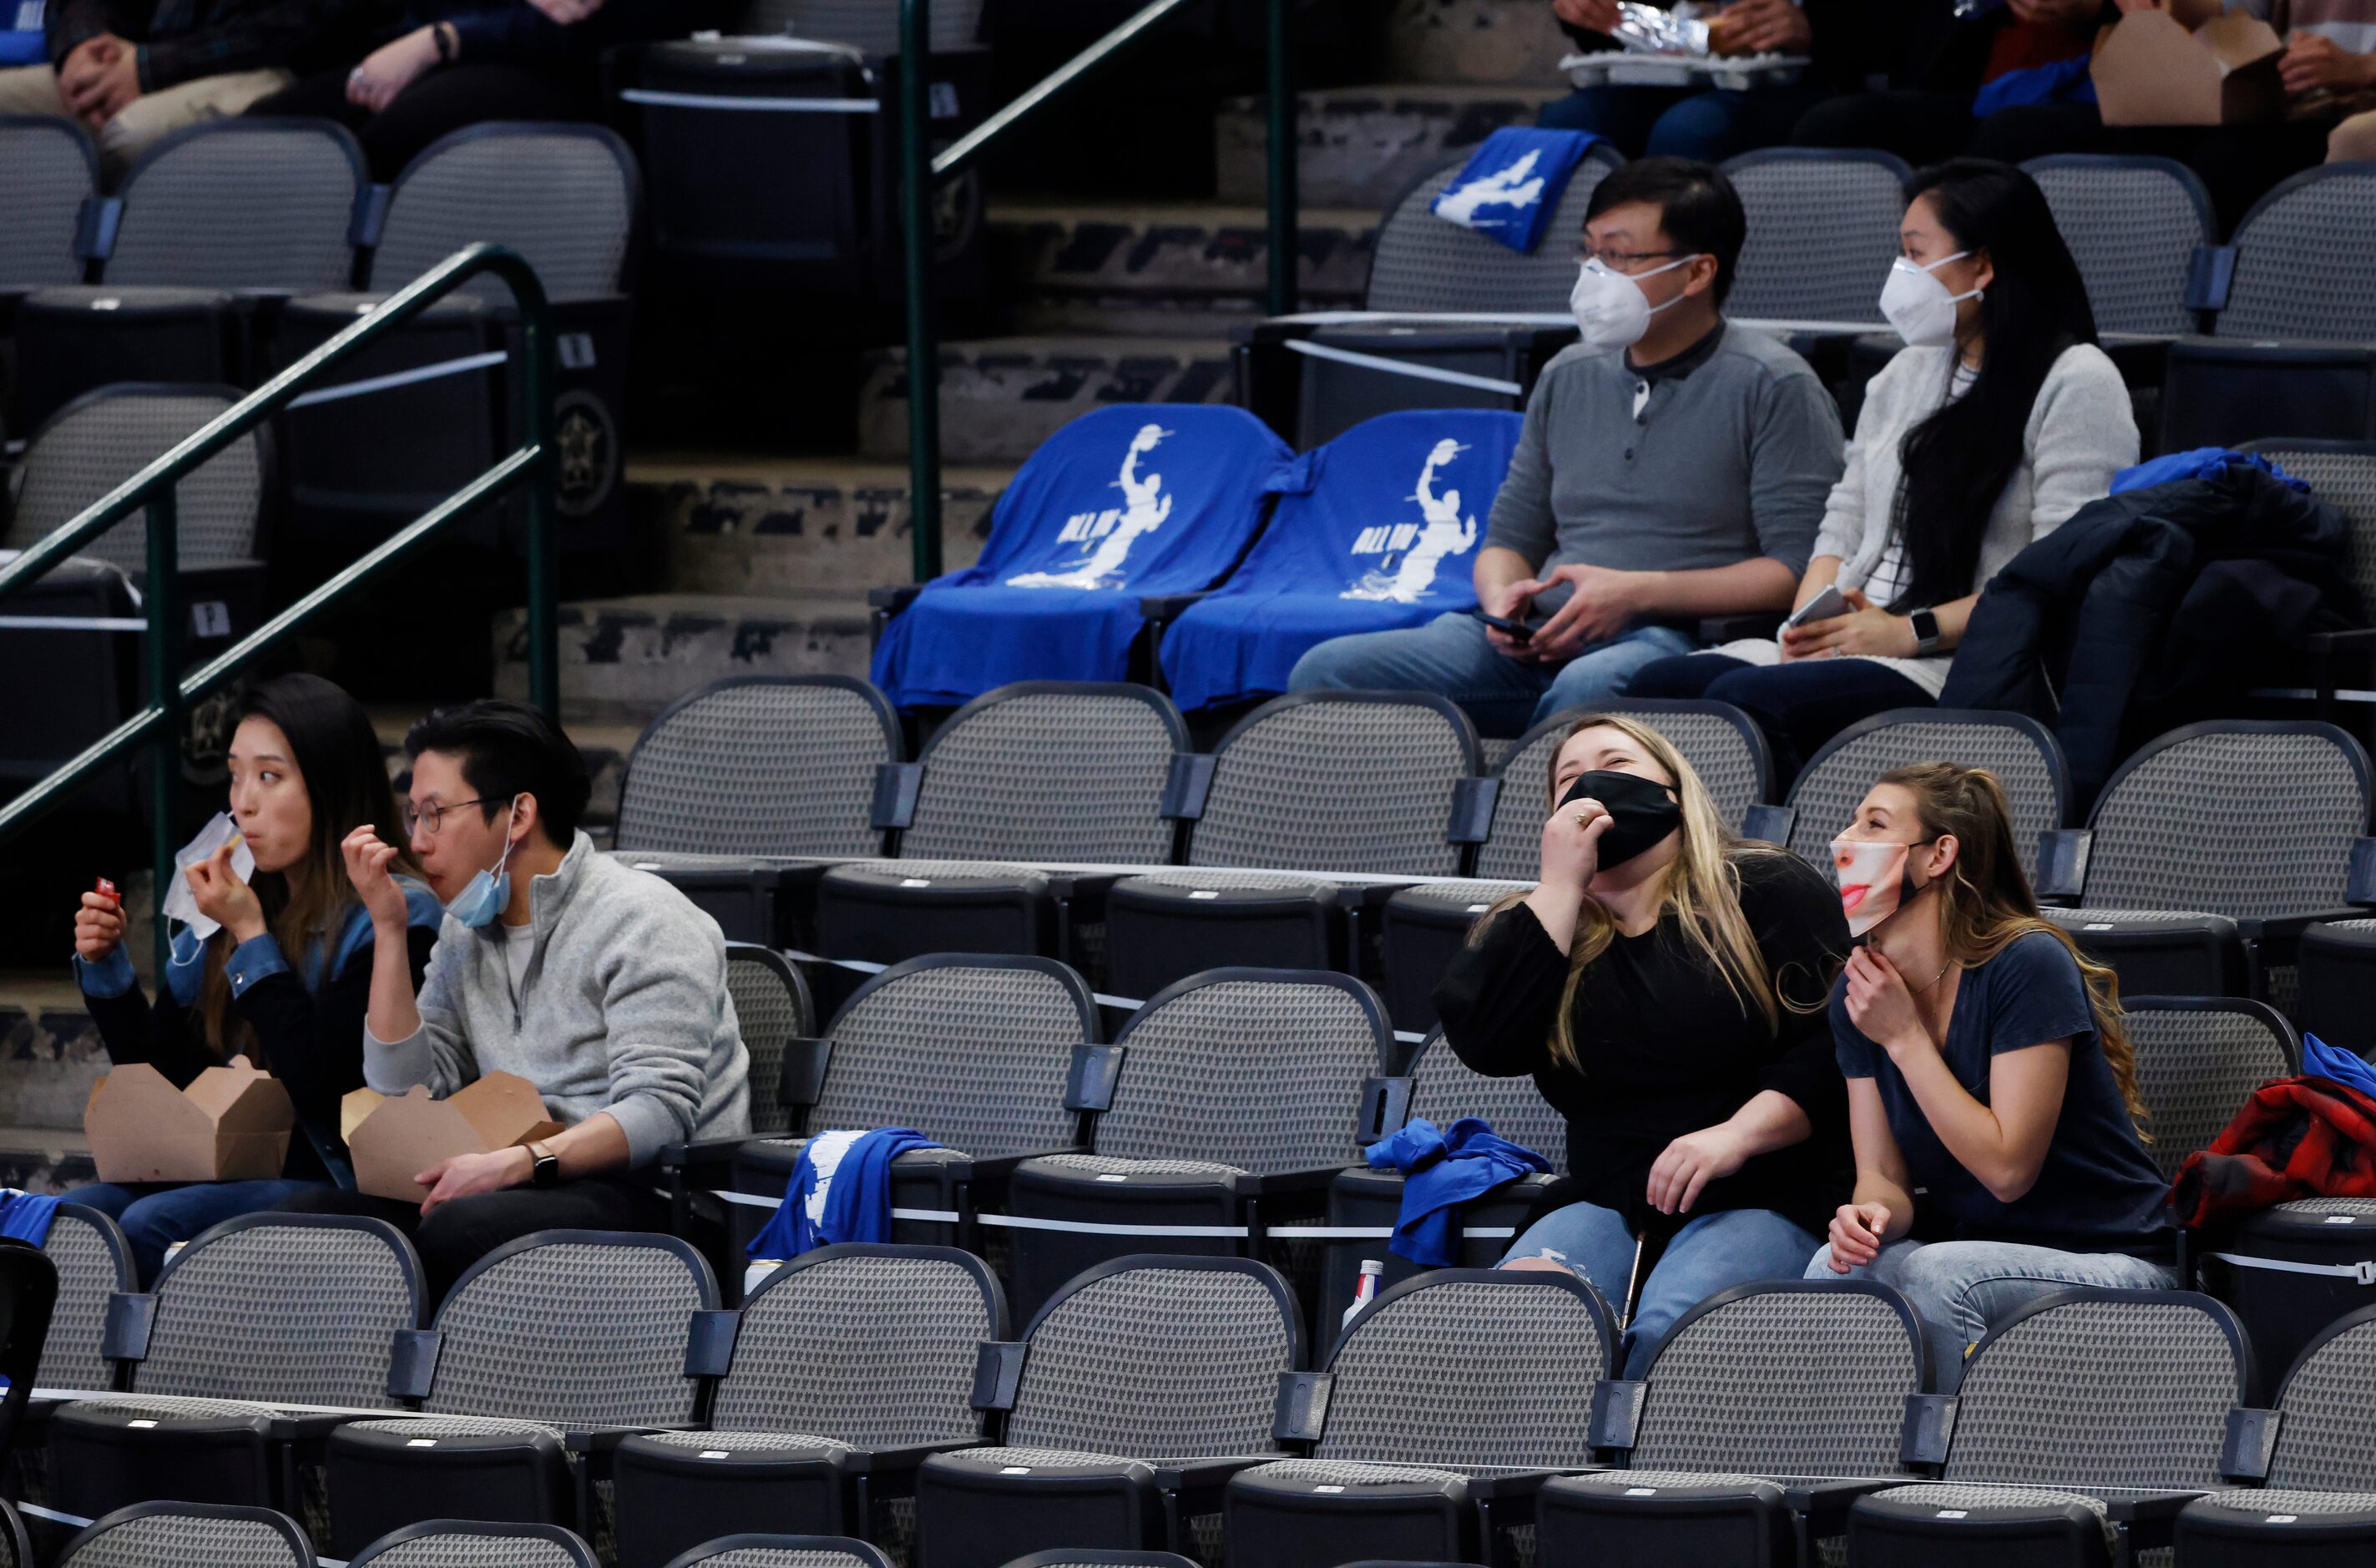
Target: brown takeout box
394, 1138
230, 1124
2192, 64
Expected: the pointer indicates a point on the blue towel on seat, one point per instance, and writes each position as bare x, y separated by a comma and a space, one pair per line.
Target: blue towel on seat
840, 1191
1442, 1170
2321, 1059
1513, 182
2201, 462
26, 1215
2059, 81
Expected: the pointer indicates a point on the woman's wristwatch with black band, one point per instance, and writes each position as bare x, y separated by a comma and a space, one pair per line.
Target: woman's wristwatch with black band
1926, 632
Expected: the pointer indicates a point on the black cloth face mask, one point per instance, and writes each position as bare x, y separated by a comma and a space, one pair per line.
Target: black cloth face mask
1641, 812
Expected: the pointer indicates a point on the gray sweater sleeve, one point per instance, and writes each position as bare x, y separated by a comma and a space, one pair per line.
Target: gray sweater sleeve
438, 1052
662, 985
2083, 431
1521, 518
1794, 460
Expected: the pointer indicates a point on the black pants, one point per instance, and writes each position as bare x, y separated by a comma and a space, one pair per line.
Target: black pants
1798, 705
463, 1231
441, 99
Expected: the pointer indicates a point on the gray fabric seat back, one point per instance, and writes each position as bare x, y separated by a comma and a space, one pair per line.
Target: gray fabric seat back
47, 172
2107, 1388
2132, 224
88, 449
1044, 773
1823, 233
1284, 795
1426, 263
515, 1331
848, 1554
1788, 1381
1012, 1028
93, 1263
564, 197
2197, 1063
242, 204
1259, 1073
1716, 739
760, 766
1467, 1371
2243, 819
182, 1534
771, 1005
2023, 757
2297, 251
461, 1545
2343, 473
328, 1300
1158, 1360
869, 24
872, 1351
1443, 1089
2323, 1444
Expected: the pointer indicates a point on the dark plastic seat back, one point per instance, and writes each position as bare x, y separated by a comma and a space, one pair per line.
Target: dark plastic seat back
48, 169
761, 765
772, 1006
242, 204
1823, 233
1048, 771
1723, 745
2198, 1060
2322, 1444
94, 1262
468, 1543
1444, 1089
2298, 255
2020, 752
2132, 224
86, 449
561, 195
1425, 262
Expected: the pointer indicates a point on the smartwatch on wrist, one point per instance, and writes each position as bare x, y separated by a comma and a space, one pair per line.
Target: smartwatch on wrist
1925, 633
544, 1168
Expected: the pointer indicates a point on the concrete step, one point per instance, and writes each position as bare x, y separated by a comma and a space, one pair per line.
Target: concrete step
623, 660
1002, 396
1109, 261
49, 1057
1362, 145
1484, 42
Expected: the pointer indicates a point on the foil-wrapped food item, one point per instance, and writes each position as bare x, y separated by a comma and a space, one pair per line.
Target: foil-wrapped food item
1646, 29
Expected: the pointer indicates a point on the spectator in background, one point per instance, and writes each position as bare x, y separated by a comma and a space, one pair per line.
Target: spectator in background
1987, 1070
134, 71
1712, 123
438, 65
1671, 468
1998, 420
2354, 141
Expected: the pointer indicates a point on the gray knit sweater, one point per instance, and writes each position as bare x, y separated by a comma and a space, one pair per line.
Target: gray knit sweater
623, 1008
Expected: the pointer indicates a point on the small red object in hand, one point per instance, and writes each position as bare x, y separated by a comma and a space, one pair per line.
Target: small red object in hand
107, 890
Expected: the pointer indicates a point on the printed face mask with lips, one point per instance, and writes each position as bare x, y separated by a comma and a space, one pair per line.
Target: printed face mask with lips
1611, 309
1641, 812
1874, 883
489, 893
1918, 305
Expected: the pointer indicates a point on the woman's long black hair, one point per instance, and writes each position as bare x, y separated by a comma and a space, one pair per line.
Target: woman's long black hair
1957, 463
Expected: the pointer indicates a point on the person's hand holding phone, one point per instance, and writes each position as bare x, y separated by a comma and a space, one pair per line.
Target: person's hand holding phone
1600, 606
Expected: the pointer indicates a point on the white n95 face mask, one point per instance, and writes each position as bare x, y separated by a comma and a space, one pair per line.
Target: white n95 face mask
1611, 309
1918, 305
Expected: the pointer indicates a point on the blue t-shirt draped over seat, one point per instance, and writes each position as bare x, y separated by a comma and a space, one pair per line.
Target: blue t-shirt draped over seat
2098, 1191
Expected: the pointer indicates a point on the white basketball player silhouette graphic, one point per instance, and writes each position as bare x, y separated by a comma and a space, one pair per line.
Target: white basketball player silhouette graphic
1518, 186
1114, 531
1446, 533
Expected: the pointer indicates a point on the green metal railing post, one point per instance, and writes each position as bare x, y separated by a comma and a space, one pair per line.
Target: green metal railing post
923, 349
164, 652
537, 347
1279, 136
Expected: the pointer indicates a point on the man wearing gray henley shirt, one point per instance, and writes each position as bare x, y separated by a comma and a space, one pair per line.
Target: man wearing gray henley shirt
1656, 484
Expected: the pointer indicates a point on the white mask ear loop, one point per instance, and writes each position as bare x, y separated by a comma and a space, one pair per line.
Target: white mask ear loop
1954, 299
1635, 278
511, 820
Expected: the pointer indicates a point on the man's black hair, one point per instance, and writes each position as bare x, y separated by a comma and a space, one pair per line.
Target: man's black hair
508, 749
1698, 208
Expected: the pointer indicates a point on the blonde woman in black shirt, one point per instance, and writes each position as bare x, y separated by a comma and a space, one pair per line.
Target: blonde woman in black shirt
1664, 985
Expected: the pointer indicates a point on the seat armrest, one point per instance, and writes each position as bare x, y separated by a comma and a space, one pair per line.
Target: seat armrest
1616, 1412
1715, 629
2150, 1517
2360, 885
997, 1373
897, 786
1166, 608
2249, 1445
413, 1362
1473, 800
1206, 1475
2062, 854
1824, 1504
311, 1426
131, 1318
1300, 1412
1090, 1081
602, 1440
1290, 1183
803, 1077
1385, 1107
1769, 825
1517, 1484
2352, 641
893, 599
2284, 932
702, 1155
1928, 1426
1189, 781
900, 1461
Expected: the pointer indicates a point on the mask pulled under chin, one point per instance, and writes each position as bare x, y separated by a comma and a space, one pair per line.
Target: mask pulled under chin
1874, 882
1641, 812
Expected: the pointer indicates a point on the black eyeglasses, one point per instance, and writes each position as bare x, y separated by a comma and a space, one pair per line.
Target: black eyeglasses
432, 816
1625, 261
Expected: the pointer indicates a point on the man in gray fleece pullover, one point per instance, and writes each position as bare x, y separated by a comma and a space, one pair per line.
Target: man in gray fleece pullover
601, 985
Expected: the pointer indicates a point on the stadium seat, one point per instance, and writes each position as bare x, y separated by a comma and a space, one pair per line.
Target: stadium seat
1377, 532
1038, 771
200, 1419
1239, 1096
2235, 392
2342, 473
2338, 984
1025, 1030
865, 25
2294, 253
1420, 930
152, 1535
2084, 1423
1125, 501
211, 230
2253, 821
1372, 783
1442, 1089
1823, 234
734, 779
49, 172
846, 1367
565, 197
1131, 1398
1767, 1410
2160, 952
464, 1543
94, 1264
1075, 1557
28, 1295
2315, 1503
784, 1551
1438, 1413
2133, 225
1292, 372
2198, 1059
2294, 1268
773, 1008
515, 1407
16, 1544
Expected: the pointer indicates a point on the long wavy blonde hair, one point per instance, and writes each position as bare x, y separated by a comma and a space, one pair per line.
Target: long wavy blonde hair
1701, 887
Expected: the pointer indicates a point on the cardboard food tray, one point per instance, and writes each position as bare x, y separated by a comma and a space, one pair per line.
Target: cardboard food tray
393, 1138
230, 1124
2192, 64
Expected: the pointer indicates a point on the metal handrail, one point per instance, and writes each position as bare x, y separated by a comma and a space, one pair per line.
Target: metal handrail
158, 723
920, 170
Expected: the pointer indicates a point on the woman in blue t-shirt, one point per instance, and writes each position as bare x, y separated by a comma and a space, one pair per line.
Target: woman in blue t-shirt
1987, 1069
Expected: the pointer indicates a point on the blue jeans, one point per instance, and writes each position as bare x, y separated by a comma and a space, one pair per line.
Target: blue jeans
1960, 1290
1798, 705
155, 1215
1653, 122
1450, 656
1714, 1253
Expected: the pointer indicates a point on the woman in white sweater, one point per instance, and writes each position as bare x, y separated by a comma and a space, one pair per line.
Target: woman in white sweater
1998, 420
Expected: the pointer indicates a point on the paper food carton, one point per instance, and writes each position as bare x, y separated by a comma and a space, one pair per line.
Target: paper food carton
2192, 64
394, 1138
230, 1124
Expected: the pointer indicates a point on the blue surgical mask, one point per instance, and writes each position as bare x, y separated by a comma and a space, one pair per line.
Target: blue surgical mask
489, 893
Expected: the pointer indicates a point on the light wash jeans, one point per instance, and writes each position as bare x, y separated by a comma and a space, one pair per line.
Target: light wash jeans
1960, 1290
1450, 656
1714, 1253
155, 1215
